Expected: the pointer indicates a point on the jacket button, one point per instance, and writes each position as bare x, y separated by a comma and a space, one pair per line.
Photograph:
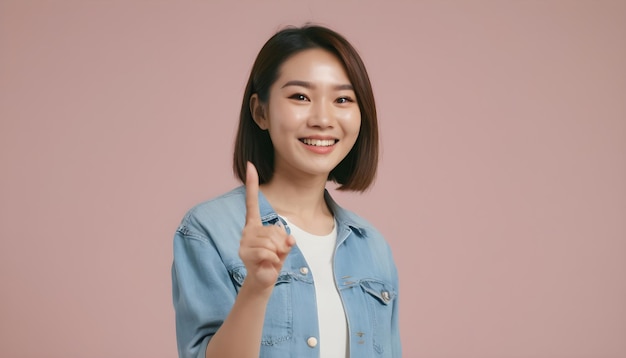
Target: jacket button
311, 342
304, 270
385, 296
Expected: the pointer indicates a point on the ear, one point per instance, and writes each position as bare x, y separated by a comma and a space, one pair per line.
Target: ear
257, 109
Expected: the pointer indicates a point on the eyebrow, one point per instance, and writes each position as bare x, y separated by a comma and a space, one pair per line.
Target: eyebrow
310, 85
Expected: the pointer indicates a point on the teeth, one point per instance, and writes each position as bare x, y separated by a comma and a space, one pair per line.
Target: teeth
319, 142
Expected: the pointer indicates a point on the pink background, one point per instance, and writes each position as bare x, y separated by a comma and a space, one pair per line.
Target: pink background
502, 185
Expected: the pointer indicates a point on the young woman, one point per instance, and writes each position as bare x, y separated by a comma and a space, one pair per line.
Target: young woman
276, 268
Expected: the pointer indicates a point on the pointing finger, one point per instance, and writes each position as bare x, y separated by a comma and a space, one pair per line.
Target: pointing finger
253, 214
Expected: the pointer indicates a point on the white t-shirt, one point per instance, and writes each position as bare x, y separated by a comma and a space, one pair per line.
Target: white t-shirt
318, 252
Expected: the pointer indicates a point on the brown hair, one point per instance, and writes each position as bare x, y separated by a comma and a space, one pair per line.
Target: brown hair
357, 170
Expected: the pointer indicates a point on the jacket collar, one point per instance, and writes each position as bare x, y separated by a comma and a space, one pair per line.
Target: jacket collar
342, 216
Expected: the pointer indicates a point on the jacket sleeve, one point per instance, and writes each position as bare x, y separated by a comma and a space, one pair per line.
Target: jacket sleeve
203, 292
395, 318
395, 326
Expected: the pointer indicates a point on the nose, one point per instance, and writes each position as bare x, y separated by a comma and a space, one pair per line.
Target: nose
321, 115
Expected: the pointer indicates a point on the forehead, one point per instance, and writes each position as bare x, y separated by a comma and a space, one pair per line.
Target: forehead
313, 65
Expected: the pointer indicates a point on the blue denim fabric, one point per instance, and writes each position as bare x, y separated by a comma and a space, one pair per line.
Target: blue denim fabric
207, 273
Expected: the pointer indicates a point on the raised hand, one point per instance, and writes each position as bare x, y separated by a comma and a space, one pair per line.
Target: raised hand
263, 249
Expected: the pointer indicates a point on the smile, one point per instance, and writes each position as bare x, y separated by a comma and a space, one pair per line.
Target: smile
319, 142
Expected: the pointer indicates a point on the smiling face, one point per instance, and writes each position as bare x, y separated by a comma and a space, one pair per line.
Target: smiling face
312, 114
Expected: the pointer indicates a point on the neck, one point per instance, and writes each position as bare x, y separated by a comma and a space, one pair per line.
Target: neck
301, 201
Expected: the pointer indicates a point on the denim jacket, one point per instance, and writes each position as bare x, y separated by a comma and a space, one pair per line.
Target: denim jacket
207, 274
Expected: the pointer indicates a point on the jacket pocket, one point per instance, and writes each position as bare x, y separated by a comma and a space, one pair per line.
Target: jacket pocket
278, 324
380, 297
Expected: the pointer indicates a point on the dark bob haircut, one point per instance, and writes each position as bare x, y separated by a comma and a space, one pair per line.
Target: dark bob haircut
357, 170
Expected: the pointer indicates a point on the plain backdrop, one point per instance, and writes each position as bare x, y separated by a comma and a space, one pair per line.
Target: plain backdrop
502, 184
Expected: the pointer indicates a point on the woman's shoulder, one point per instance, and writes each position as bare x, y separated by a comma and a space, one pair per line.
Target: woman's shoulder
228, 209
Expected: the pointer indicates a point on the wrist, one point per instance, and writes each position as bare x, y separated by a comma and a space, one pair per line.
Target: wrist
254, 290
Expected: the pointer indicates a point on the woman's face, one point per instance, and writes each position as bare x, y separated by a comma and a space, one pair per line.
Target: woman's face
313, 117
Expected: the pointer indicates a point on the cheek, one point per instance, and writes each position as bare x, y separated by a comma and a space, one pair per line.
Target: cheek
352, 123
284, 118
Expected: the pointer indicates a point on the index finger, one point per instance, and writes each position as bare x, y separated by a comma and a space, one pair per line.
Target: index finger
253, 215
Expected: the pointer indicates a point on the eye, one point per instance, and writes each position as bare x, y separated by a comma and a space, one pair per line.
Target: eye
345, 99
299, 97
